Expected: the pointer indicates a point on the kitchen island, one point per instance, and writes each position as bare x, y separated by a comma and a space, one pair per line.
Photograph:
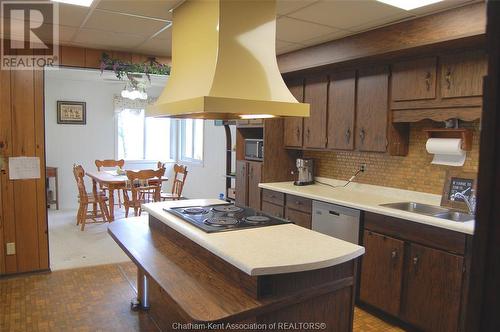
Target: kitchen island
257, 277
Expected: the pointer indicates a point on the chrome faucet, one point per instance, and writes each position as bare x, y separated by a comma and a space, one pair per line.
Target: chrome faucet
470, 202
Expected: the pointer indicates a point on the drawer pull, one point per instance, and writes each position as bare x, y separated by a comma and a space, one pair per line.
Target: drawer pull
428, 81
334, 213
394, 254
298, 203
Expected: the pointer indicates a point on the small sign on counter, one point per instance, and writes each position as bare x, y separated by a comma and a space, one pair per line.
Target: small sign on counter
22, 168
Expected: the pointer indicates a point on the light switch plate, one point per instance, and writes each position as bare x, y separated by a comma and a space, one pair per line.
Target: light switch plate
11, 248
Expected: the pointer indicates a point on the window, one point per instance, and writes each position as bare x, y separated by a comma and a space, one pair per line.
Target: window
191, 140
141, 138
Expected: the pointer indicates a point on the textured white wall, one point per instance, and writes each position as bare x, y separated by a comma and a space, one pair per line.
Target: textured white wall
69, 144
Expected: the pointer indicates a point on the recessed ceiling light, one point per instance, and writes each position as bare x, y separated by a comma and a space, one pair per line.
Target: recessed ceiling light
409, 4
84, 3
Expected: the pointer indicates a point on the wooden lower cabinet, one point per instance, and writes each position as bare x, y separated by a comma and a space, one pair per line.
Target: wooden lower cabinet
273, 209
299, 218
248, 177
241, 193
433, 289
254, 176
415, 282
382, 272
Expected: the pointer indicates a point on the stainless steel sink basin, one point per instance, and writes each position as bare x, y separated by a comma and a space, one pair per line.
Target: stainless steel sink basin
417, 208
455, 216
431, 210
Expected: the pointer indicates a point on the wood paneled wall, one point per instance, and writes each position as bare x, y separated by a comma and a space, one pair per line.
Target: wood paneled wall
23, 219
23, 214
91, 58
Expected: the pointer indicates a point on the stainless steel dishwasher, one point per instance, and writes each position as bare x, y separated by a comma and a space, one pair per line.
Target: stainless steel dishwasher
337, 221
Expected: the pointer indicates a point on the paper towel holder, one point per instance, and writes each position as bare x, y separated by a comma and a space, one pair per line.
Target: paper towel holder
462, 133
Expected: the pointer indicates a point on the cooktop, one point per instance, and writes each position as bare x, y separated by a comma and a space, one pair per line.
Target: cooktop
224, 217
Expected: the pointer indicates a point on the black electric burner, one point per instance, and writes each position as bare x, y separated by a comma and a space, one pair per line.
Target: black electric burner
224, 217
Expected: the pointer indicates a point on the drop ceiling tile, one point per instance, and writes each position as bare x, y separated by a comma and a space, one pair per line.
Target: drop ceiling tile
108, 39
285, 47
328, 37
165, 35
296, 31
156, 47
100, 20
284, 7
72, 16
149, 8
350, 15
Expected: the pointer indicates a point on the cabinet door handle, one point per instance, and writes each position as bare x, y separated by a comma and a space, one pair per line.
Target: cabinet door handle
428, 81
415, 264
297, 132
308, 133
348, 135
362, 135
448, 79
394, 254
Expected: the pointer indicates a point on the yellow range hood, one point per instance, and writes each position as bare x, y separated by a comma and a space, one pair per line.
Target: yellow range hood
224, 63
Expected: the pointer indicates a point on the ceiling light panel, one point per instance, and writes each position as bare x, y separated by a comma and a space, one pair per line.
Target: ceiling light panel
84, 3
409, 4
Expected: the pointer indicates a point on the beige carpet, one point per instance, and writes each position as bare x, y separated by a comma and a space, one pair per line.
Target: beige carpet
71, 248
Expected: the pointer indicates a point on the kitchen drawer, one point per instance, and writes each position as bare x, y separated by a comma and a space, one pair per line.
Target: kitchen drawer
299, 218
273, 197
299, 203
273, 209
431, 236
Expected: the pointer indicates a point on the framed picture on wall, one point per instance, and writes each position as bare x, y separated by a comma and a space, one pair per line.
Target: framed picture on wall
71, 112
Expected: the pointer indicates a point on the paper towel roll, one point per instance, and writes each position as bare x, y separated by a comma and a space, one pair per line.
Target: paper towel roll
447, 151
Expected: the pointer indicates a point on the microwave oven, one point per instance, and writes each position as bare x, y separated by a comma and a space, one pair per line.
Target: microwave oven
254, 149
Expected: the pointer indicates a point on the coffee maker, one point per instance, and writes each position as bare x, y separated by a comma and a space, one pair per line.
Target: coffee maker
305, 168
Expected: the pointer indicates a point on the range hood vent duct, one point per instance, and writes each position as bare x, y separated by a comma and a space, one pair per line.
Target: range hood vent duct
224, 63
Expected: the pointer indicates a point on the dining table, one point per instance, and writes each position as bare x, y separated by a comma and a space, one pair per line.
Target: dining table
112, 180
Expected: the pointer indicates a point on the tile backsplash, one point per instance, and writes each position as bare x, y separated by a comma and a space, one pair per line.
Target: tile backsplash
413, 172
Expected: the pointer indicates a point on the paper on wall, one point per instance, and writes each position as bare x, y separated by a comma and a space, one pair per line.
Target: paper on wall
21, 168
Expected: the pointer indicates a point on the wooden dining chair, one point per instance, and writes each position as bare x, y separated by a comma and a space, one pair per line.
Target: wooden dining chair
180, 174
108, 163
85, 199
142, 187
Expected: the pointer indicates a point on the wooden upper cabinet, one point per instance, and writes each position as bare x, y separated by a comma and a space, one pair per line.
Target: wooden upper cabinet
382, 272
241, 194
293, 126
341, 110
462, 74
414, 79
254, 178
316, 94
433, 291
372, 109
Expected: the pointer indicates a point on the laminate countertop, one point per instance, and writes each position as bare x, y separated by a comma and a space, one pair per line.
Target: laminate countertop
368, 198
264, 250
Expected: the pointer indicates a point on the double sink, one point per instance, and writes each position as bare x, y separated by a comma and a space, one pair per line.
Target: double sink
431, 210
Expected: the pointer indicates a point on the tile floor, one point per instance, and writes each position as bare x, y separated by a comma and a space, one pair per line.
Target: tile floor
92, 299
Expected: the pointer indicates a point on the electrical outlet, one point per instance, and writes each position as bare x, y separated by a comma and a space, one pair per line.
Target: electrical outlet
10, 248
362, 167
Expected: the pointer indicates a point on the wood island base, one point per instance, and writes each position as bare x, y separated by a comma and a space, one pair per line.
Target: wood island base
190, 288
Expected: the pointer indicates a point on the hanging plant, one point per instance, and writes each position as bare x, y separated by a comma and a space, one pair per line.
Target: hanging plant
128, 69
